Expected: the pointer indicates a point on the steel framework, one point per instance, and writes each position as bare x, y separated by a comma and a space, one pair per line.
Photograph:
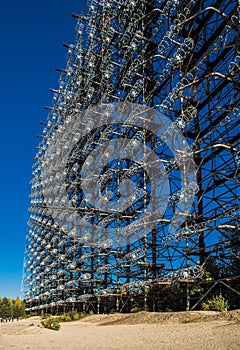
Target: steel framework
181, 59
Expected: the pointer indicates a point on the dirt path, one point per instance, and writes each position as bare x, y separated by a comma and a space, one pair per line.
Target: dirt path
115, 332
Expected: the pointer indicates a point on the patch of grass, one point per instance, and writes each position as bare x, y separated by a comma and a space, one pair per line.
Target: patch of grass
216, 303
51, 323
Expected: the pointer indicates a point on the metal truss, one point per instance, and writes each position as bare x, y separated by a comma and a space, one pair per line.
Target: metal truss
181, 59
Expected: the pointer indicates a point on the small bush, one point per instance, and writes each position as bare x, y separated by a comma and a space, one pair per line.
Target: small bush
76, 316
70, 316
65, 318
51, 323
216, 303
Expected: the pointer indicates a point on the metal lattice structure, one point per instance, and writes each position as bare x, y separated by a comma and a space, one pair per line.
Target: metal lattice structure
181, 59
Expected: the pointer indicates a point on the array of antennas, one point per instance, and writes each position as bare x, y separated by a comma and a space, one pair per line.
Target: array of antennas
183, 59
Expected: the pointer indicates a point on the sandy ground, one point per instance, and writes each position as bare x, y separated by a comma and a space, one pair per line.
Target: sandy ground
142, 331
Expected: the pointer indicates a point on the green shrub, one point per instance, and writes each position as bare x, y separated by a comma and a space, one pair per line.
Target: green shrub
70, 316
65, 318
51, 323
217, 303
75, 316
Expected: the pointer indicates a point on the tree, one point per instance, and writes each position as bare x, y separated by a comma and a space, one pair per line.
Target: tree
18, 308
11, 308
5, 308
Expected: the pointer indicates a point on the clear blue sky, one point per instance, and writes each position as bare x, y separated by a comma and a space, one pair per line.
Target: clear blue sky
31, 35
